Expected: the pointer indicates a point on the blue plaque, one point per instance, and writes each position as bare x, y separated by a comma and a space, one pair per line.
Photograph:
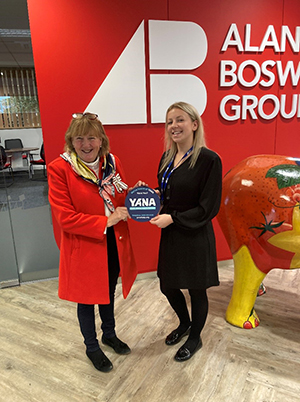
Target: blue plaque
142, 203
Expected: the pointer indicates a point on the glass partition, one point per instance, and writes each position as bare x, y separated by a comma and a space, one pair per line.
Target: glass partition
36, 251
27, 244
9, 275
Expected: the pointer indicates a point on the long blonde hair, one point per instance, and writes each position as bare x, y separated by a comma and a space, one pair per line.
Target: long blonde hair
199, 136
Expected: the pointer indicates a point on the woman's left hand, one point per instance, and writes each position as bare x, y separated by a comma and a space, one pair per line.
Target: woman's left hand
162, 221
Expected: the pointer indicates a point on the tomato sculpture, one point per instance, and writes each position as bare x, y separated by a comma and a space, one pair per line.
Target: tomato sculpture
260, 218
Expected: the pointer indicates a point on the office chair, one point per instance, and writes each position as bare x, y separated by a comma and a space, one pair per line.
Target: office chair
5, 163
13, 143
41, 161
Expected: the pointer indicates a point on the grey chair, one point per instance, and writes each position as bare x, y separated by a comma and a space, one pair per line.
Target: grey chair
41, 161
13, 143
5, 163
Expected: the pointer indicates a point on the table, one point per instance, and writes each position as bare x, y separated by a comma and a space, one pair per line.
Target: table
26, 151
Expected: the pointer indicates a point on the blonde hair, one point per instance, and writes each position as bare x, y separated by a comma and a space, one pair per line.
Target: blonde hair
83, 126
199, 136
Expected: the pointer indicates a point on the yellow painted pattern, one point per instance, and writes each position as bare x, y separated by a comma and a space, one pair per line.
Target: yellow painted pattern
290, 239
247, 279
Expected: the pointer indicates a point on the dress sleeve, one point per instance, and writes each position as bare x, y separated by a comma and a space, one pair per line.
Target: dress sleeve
70, 220
209, 202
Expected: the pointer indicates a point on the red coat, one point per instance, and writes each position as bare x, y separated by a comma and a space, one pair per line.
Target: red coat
79, 211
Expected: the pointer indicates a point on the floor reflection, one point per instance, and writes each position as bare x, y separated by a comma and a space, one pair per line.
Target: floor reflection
25, 193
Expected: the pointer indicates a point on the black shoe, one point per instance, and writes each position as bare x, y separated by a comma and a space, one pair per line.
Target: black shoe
185, 353
175, 336
118, 346
100, 361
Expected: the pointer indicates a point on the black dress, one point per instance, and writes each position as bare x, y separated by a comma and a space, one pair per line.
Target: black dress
187, 253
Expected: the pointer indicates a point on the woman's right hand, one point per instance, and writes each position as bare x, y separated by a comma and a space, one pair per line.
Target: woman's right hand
162, 221
120, 214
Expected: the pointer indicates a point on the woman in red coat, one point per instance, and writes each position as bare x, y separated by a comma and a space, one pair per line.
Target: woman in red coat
87, 193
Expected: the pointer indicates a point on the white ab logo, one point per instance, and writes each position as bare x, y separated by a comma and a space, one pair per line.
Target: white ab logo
173, 45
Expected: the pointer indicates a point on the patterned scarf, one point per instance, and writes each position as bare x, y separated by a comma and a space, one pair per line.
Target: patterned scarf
109, 182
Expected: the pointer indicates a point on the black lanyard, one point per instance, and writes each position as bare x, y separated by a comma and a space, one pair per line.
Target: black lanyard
165, 178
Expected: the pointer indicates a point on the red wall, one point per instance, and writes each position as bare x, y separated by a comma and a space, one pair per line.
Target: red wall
76, 43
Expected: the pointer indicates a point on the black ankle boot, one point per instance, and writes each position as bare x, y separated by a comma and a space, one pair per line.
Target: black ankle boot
118, 346
100, 361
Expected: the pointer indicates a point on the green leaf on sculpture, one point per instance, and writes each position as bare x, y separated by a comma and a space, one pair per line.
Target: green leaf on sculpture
286, 175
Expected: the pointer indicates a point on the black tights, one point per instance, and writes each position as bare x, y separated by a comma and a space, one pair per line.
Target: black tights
86, 312
199, 309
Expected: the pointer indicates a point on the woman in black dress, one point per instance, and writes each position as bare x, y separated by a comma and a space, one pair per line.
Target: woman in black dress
190, 182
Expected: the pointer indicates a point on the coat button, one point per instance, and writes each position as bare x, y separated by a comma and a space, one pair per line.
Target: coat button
120, 237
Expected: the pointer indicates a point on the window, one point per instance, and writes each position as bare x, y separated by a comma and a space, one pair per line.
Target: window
19, 107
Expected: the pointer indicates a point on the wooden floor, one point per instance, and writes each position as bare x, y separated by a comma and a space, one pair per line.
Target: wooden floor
42, 356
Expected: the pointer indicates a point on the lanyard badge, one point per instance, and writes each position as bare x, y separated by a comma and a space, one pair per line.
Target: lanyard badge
166, 175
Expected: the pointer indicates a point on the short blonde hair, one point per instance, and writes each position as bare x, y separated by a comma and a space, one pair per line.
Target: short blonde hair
199, 136
83, 126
